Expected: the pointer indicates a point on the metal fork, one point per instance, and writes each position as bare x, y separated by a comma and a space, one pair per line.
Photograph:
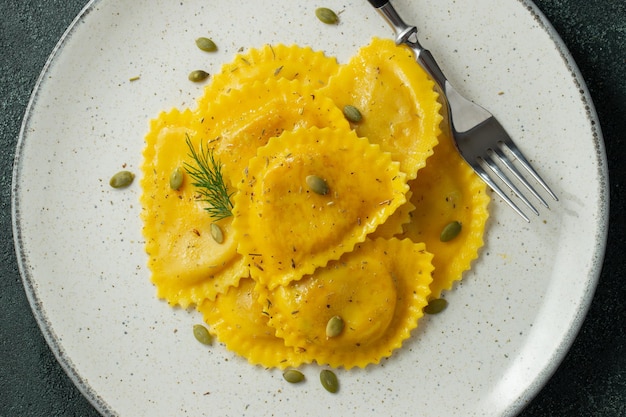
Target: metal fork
479, 137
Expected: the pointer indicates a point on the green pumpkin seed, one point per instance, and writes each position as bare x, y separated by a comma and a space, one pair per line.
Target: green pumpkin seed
334, 327
217, 233
293, 376
329, 380
122, 179
202, 334
326, 15
198, 75
352, 114
317, 184
206, 44
176, 178
436, 306
450, 231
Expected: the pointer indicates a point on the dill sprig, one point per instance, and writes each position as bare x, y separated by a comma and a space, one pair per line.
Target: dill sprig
207, 177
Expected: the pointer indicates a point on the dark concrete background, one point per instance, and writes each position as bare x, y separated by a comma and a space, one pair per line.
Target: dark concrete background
591, 381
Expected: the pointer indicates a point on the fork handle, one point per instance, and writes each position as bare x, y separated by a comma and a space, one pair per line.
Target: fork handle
378, 3
408, 35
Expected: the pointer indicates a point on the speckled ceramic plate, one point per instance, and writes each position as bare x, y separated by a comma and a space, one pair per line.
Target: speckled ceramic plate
80, 246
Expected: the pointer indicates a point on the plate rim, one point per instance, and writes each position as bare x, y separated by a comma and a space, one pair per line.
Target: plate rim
44, 324
531, 390
566, 343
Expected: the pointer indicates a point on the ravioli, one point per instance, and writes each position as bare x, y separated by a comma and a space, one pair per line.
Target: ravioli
186, 263
364, 246
236, 124
378, 290
285, 229
447, 190
394, 225
240, 321
293, 62
397, 100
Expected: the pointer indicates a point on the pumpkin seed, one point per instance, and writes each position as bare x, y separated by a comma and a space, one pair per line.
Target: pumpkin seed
329, 380
202, 335
450, 231
317, 184
436, 306
122, 179
326, 15
293, 376
217, 233
334, 327
198, 75
176, 178
352, 114
206, 44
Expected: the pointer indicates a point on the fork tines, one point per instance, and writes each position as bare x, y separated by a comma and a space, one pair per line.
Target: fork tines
497, 153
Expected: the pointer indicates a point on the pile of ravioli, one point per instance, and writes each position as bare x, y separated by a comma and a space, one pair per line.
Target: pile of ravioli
368, 250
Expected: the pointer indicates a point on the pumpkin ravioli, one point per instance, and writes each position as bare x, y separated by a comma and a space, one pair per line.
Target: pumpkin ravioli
240, 322
284, 228
394, 225
397, 101
237, 123
329, 217
378, 290
186, 263
447, 190
293, 62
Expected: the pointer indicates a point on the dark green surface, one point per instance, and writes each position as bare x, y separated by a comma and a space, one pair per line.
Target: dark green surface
591, 380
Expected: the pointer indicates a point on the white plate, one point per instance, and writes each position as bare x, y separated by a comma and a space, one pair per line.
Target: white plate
81, 252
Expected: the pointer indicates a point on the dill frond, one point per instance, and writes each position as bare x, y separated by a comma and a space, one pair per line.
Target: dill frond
207, 178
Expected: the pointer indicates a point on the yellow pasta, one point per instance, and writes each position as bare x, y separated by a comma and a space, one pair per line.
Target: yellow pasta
447, 190
330, 218
394, 225
238, 123
396, 99
284, 228
240, 322
186, 263
293, 62
378, 290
